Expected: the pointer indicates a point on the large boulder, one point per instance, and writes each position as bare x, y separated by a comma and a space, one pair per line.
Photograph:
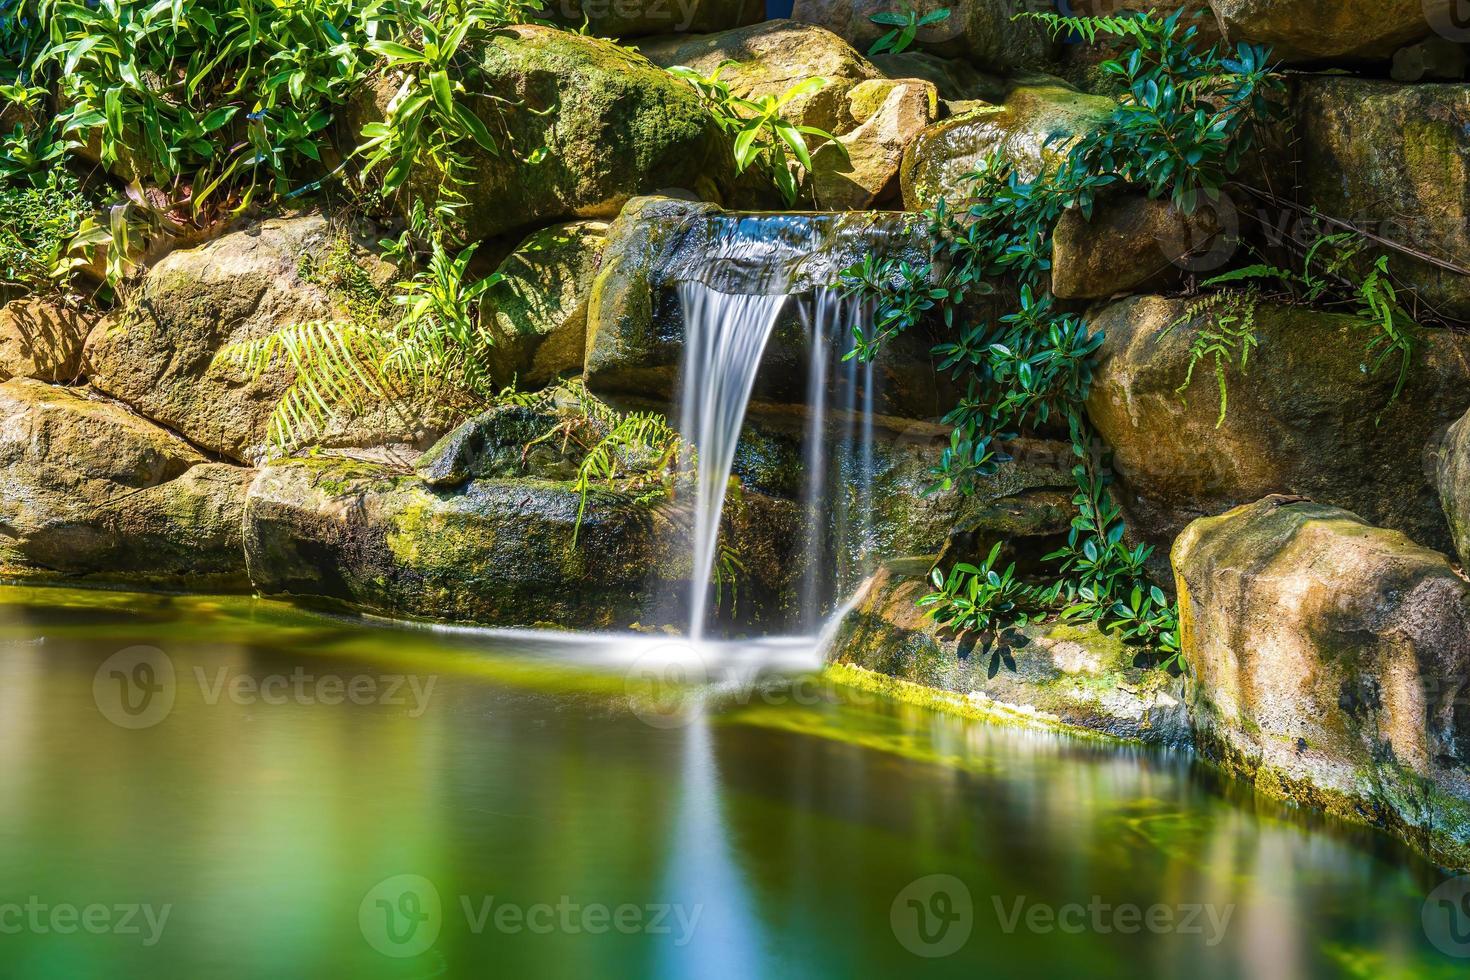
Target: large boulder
635, 329
612, 125
1306, 417
1454, 484
1393, 160
640, 18
1053, 673
1330, 664
1332, 30
1130, 244
771, 58
42, 338
540, 304
1031, 129
158, 354
984, 32
90, 491
861, 168
496, 552
955, 79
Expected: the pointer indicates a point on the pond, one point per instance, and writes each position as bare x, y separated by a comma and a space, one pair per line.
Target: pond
223, 787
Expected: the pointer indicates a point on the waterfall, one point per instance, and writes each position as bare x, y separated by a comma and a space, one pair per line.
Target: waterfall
725, 336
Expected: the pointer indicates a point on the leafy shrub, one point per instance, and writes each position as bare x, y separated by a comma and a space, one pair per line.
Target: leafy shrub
1185, 118
763, 137
906, 25
39, 217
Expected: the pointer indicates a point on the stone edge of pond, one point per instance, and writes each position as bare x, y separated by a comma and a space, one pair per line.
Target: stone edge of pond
974, 706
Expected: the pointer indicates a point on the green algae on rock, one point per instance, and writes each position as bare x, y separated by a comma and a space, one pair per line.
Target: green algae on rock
1393, 160
1059, 673
495, 552
1338, 30
1330, 665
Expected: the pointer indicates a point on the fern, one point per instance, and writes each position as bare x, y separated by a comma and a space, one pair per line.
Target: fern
1225, 334
437, 347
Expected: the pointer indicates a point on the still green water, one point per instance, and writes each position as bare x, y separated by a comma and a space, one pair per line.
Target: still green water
274, 793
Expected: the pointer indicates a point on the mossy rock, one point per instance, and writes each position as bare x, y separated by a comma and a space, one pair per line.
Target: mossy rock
635, 329
1031, 129
1330, 662
1339, 31
586, 124
1306, 418
983, 32
538, 309
1454, 485
495, 552
1394, 160
771, 58
1072, 675
90, 492
640, 18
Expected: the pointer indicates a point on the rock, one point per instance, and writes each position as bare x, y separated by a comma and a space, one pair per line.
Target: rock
42, 339
640, 18
1454, 485
889, 115
496, 445
494, 552
1031, 128
1305, 31
773, 57
1394, 160
1049, 673
91, 491
635, 330
1434, 59
981, 31
882, 510
955, 79
540, 306
157, 355
1305, 418
612, 124
1130, 245
1330, 664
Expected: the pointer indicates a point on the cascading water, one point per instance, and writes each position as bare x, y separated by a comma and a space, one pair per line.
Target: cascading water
725, 337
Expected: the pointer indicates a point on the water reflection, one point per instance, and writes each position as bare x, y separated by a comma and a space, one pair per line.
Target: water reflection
528, 791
